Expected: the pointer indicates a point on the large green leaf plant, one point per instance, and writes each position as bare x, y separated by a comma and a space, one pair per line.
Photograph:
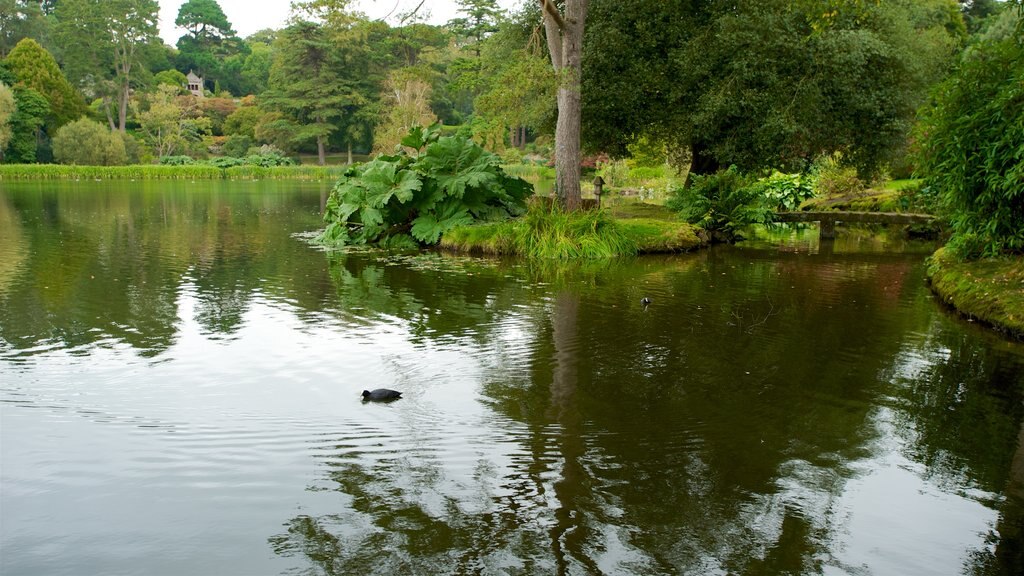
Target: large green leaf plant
411, 198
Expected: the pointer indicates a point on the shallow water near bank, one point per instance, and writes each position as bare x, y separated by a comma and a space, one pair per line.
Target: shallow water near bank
180, 378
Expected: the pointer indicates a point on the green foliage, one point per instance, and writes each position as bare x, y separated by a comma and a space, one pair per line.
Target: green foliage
35, 68
6, 112
88, 143
237, 145
646, 152
832, 178
172, 78
448, 181
762, 84
30, 112
176, 160
787, 191
548, 232
723, 203
971, 143
110, 40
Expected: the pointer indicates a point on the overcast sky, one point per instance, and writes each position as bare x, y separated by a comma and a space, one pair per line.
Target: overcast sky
248, 16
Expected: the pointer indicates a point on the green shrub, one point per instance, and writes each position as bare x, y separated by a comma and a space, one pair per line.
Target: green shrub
787, 191
614, 172
972, 150
832, 178
177, 160
723, 204
237, 145
88, 143
448, 181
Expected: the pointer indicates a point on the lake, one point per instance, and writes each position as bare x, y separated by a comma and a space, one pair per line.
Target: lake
180, 378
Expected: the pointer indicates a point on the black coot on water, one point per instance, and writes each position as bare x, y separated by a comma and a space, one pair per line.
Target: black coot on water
380, 395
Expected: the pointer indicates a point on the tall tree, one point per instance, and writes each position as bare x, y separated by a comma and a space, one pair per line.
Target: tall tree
109, 37
20, 19
209, 39
34, 67
765, 84
480, 19
30, 110
315, 81
565, 45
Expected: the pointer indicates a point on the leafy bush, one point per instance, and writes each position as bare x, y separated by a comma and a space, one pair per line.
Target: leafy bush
971, 144
268, 160
237, 145
177, 160
833, 178
448, 181
88, 143
787, 191
614, 172
722, 203
226, 162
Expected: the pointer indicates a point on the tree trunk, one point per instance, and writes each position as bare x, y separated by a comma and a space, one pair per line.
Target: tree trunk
122, 113
349, 153
321, 150
522, 138
702, 162
565, 43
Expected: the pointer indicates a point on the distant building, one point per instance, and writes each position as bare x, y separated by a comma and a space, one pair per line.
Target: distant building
195, 84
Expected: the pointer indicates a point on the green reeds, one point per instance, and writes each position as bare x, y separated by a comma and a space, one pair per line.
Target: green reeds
156, 172
547, 233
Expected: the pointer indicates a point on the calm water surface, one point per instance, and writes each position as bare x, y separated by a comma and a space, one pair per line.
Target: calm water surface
180, 377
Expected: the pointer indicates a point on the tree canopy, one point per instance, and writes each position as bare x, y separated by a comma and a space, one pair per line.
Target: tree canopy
34, 67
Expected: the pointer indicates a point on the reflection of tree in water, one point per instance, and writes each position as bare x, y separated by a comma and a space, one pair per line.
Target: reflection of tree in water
712, 433
961, 412
109, 261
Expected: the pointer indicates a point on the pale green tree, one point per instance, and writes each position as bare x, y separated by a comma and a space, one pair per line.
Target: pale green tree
88, 143
169, 128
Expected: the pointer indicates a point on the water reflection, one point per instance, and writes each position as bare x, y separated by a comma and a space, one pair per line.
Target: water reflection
803, 410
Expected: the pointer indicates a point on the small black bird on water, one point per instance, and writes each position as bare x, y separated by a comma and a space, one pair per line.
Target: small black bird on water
645, 301
380, 395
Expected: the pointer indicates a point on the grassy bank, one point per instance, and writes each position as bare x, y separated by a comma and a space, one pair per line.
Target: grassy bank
990, 291
153, 172
553, 234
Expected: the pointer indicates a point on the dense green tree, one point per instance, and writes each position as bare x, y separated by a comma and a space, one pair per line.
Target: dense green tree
480, 18
88, 143
971, 141
209, 39
205, 21
20, 19
34, 67
31, 109
764, 84
7, 108
318, 79
110, 37
171, 78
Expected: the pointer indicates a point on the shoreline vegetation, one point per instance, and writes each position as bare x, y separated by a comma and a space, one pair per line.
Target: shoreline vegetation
160, 172
989, 290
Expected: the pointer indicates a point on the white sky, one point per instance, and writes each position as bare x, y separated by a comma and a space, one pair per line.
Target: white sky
248, 16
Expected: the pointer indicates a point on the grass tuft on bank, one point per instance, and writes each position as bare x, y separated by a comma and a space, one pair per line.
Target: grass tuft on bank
551, 233
990, 290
